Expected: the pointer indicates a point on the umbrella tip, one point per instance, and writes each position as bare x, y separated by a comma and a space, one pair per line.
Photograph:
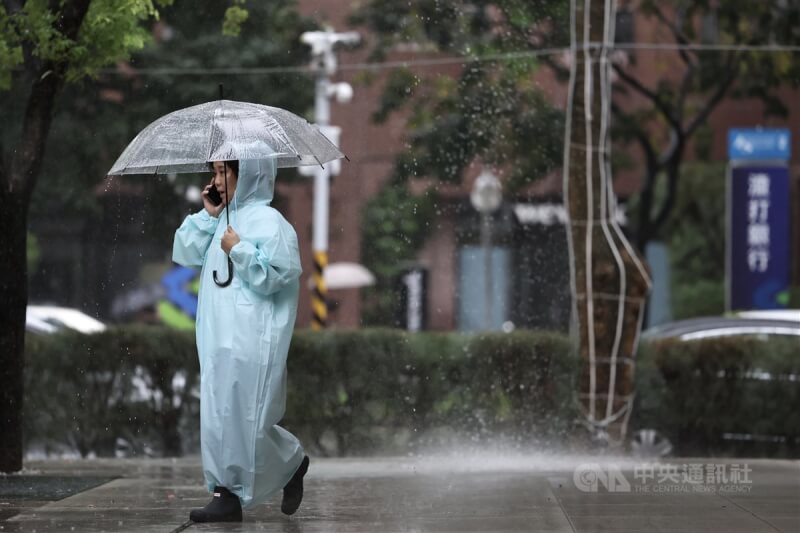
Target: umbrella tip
348, 159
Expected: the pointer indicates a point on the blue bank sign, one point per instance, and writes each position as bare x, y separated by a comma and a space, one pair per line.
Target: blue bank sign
768, 144
758, 249
758, 259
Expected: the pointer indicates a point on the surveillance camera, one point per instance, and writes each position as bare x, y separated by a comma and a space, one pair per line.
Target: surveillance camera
344, 92
320, 41
311, 37
350, 37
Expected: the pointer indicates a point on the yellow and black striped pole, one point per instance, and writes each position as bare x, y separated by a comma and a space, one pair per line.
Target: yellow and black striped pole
319, 294
324, 65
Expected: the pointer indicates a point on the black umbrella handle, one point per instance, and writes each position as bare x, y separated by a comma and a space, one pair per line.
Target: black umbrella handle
230, 275
228, 220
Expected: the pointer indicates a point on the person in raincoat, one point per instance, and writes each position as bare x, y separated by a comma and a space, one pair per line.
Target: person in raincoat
243, 334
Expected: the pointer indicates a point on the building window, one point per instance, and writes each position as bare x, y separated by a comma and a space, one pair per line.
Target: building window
710, 28
623, 32
476, 301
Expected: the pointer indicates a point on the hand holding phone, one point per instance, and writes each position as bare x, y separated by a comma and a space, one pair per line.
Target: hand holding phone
214, 195
212, 201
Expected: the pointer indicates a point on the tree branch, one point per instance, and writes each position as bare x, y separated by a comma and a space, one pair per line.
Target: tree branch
649, 94
544, 39
715, 98
653, 166
71, 19
651, 158
683, 92
561, 72
30, 63
680, 37
673, 173
27, 156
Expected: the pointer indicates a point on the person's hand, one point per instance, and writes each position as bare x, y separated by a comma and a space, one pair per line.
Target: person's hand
213, 210
229, 240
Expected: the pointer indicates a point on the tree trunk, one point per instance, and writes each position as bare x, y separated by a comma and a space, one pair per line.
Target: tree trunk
17, 183
14, 298
16, 187
609, 279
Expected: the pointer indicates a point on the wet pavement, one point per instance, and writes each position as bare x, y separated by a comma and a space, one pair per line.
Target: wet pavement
435, 493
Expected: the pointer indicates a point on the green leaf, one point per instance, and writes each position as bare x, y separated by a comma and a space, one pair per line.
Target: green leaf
234, 18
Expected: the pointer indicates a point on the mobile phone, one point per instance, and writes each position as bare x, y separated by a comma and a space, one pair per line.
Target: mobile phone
214, 195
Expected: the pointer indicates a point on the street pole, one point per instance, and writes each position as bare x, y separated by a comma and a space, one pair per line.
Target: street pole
324, 64
486, 241
486, 197
319, 239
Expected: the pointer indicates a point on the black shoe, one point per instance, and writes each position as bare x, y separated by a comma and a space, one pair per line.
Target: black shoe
224, 507
293, 491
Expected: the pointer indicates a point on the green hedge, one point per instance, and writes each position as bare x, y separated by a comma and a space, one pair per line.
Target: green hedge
732, 396
349, 392
80, 390
386, 391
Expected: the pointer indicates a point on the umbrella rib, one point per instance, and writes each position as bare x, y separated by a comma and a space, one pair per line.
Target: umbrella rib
277, 110
329, 141
211, 130
288, 141
300, 138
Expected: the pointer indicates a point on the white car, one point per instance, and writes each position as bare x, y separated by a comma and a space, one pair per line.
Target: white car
50, 319
760, 323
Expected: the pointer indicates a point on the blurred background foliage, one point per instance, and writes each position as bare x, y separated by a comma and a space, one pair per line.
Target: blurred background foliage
359, 392
394, 225
488, 109
96, 117
379, 391
493, 111
696, 240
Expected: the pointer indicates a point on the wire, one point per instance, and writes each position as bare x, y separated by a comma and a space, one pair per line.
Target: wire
383, 65
453, 60
710, 47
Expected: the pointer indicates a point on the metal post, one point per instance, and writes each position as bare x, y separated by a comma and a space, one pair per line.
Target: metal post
486, 197
486, 243
324, 64
319, 239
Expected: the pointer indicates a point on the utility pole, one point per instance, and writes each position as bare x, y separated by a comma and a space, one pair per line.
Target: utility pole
323, 63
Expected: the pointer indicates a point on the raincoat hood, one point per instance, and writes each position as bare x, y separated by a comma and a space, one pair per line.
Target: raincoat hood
256, 182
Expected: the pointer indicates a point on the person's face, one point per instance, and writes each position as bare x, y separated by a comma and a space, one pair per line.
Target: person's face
219, 180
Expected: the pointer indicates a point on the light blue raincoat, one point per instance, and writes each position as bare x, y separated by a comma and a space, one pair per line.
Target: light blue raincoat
243, 335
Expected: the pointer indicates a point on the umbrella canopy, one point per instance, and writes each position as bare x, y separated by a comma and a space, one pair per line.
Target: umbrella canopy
188, 139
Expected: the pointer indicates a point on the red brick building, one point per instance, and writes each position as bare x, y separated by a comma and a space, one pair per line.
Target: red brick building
372, 149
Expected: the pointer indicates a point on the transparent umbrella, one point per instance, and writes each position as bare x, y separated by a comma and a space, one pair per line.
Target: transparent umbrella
188, 139
224, 130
